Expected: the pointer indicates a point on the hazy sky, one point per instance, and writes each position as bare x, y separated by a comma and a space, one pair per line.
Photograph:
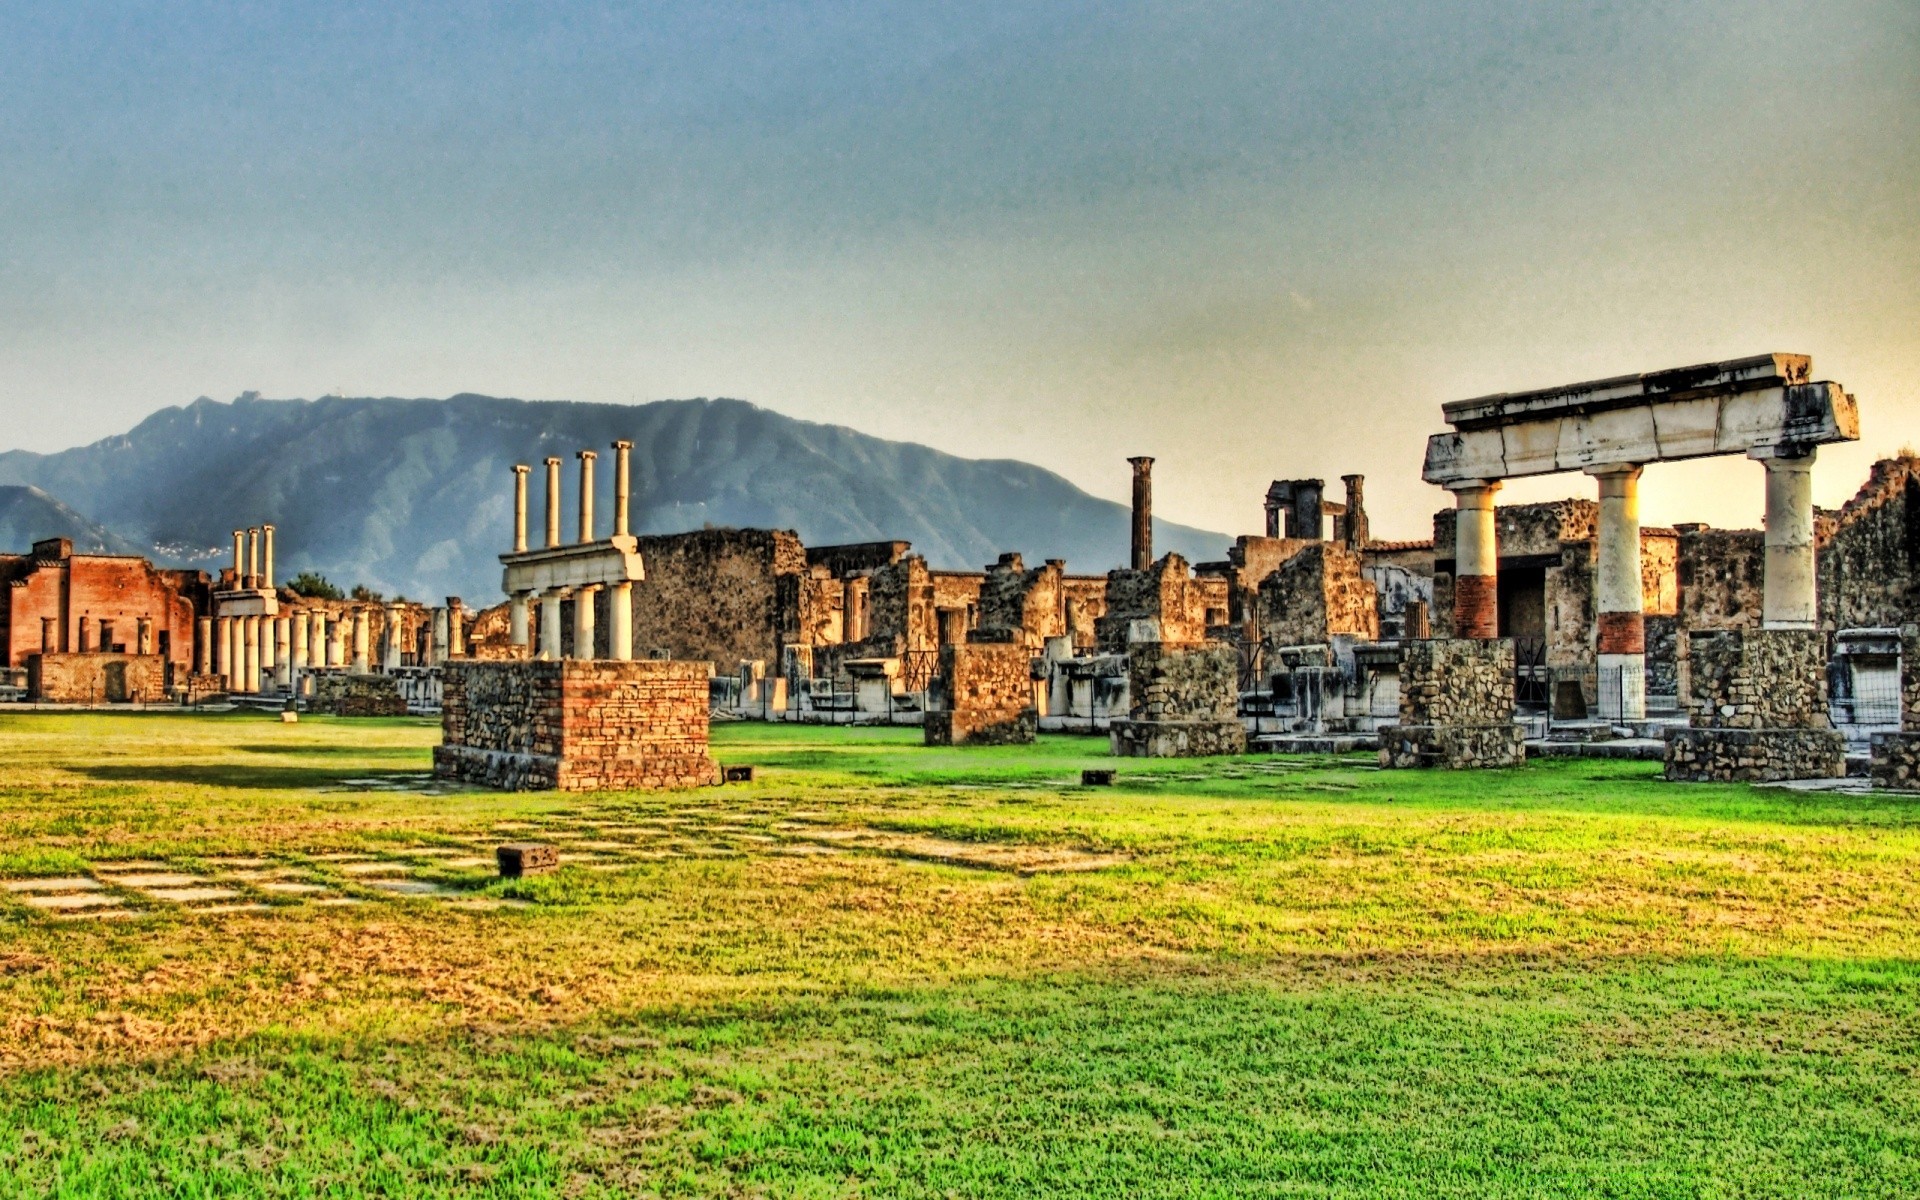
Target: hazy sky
1255, 240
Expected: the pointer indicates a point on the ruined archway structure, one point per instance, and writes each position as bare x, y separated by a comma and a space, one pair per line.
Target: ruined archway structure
1758, 704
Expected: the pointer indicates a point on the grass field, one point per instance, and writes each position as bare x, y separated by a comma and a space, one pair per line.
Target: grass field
883, 970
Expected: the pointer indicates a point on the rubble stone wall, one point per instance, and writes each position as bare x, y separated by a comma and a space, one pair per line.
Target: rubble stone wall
1758, 679
1456, 681
1722, 573
989, 691
576, 726
1895, 764
1165, 593
713, 595
97, 678
1866, 566
1183, 702
1755, 755
343, 694
1910, 678
1316, 595
1030, 602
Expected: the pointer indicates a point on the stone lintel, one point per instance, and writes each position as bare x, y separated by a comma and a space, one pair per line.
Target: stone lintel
581, 564
1756, 373
1783, 420
246, 602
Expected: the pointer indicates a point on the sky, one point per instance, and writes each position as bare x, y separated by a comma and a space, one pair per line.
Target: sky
1254, 240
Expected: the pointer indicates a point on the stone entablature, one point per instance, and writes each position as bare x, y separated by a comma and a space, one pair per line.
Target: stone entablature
576, 725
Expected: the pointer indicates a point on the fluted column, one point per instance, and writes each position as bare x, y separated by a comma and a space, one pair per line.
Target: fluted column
520, 471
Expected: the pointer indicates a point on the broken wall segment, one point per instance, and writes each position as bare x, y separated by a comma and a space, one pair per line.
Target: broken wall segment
1316, 595
1183, 702
1758, 709
343, 694
989, 692
1456, 707
636, 725
97, 678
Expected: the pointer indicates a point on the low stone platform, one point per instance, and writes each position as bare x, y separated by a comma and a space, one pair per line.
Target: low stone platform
1312, 743
1452, 747
1895, 762
980, 729
1176, 739
1717, 755
1634, 749
345, 695
576, 726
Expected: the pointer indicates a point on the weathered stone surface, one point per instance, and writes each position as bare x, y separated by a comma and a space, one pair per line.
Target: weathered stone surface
1183, 702
1704, 755
1722, 573
1317, 594
97, 678
576, 725
1452, 747
989, 693
517, 859
1758, 679
1866, 563
1167, 595
347, 695
1895, 763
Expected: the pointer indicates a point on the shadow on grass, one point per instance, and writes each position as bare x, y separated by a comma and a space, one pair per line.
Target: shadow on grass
305, 750
245, 777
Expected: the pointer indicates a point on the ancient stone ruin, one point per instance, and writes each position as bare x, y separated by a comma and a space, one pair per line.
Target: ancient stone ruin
575, 722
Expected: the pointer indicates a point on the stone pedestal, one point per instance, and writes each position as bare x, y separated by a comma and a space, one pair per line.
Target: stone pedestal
1183, 702
576, 726
1896, 761
989, 694
1758, 711
1456, 707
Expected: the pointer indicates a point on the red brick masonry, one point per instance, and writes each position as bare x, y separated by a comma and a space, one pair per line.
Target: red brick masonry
1622, 633
576, 726
1476, 606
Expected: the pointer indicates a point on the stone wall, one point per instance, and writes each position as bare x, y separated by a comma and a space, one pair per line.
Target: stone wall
97, 678
1755, 755
343, 694
713, 595
1866, 566
1030, 603
1758, 679
1316, 595
989, 696
1165, 595
1456, 707
1183, 702
576, 726
1722, 573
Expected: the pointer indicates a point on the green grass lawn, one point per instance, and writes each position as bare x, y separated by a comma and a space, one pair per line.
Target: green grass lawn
884, 970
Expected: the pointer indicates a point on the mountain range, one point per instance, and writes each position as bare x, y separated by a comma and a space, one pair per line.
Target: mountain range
414, 497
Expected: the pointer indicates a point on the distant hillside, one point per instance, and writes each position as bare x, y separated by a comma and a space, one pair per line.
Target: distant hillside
415, 496
29, 515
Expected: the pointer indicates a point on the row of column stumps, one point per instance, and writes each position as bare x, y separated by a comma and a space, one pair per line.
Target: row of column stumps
620, 595
1788, 600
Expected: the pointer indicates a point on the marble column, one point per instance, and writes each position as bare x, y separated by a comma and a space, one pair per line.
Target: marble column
517, 633
250, 655
550, 624
362, 638
622, 486
1621, 642
223, 664
269, 646
203, 647
437, 648
553, 501
340, 628
520, 471
239, 558
266, 557
253, 557
586, 458
620, 622
456, 628
1788, 599
584, 621
283, 652
302, 631
1476, 583
396, 630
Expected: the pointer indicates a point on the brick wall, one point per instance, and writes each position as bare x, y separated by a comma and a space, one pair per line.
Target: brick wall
576, 726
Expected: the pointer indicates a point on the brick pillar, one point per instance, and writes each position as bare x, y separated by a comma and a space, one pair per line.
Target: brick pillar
1476, 604
1142, 513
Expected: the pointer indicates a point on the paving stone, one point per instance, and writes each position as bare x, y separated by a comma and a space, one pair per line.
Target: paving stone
412, 887
287, 887
161, 880
251, 906
190, 895
338, 902
131, 864
375, 868
80, 900
74, 883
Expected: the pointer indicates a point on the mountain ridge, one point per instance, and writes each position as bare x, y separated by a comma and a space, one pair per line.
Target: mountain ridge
413, 496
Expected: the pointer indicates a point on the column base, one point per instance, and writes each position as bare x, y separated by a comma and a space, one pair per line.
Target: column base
1452, 747
1176, 739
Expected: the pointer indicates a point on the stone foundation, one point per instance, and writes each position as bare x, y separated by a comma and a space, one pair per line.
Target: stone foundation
1456, 707
97, 678
576, 726
1896, 762
1176, 739
989, 691
344, 695
1758, 712
1717, 755
1453, 747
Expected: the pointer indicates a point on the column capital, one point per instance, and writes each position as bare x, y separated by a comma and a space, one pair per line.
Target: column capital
623, 444
1784, 458
522, 468
552, 460
586, 455
1473, 490
1613, 469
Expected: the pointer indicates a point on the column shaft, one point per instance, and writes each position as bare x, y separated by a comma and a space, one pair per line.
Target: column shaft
520, 507
283, 651
620, 622
266, 556
583, 621
302, 640
550, 626
622, 486
1621, 639
553, 501
362, 642
1476, 583
1788, 599
203, 649
250, 666
517, 618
